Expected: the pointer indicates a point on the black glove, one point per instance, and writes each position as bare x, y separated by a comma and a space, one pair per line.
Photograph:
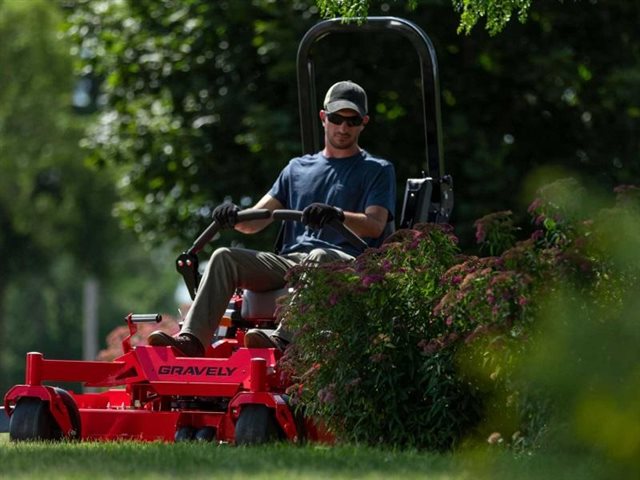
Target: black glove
226, 215
317, 215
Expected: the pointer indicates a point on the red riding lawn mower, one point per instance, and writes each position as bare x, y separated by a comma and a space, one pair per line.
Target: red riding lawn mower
233, 394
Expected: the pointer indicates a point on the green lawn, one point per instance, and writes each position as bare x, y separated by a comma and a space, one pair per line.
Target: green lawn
193, 461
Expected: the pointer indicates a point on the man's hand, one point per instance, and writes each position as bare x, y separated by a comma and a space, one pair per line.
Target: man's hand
226, 215
317, 215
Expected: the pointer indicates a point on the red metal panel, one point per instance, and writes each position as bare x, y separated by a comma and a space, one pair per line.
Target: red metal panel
107, 399
79, 370
40, 369
144, 425
112, 424
199, 389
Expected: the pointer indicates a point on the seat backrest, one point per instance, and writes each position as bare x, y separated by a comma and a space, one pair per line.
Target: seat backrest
260, 305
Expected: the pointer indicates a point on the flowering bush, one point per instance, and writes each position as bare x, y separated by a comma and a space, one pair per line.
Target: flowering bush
416, 344
496, 232
361, 353
380, 343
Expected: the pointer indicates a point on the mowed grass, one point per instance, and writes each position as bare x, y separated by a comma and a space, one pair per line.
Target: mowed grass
138, 460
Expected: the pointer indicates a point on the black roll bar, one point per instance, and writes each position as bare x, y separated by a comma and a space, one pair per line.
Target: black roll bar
434, 165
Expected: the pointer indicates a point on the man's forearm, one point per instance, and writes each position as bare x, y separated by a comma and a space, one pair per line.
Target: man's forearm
365, 224
255, 226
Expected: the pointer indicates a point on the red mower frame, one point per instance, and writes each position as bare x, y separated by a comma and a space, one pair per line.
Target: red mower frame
231, 395
149, 406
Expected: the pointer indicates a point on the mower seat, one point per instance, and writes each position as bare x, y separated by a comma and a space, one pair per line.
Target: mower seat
253, 310
260, 305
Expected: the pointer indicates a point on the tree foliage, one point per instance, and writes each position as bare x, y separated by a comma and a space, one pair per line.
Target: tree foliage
193, 94
199, 100
496, 12
47, 193
56, 221
38, 164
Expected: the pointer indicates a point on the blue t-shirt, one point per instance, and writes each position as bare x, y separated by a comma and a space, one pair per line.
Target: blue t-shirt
352, 183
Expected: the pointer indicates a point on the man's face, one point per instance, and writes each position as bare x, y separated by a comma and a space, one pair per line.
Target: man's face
343, 127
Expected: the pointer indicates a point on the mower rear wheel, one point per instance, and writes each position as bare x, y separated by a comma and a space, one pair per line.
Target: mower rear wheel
256, 424
32, 420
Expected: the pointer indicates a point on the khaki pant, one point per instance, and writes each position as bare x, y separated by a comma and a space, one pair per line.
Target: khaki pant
231, 268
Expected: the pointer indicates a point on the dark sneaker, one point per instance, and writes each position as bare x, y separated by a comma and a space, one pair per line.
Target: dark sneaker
186, 344
256, 338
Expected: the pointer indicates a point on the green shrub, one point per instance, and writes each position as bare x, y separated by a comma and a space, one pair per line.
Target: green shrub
379, 342
415, 344
359, 353
585, 351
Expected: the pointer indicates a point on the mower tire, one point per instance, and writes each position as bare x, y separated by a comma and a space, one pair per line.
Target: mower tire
256, 425
184, 434
32, 420
205, 434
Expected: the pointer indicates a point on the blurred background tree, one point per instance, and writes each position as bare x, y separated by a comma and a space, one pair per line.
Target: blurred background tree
200, 99
57, 228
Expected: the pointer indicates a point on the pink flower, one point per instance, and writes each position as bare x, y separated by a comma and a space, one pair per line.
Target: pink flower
326, 394
369, 280
430, 347
414, 243
537, 203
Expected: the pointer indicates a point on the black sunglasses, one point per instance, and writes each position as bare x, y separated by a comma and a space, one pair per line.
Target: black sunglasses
337, 119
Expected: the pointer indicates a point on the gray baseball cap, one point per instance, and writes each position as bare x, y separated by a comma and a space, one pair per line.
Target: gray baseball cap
346, 94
